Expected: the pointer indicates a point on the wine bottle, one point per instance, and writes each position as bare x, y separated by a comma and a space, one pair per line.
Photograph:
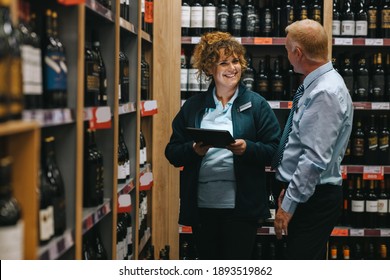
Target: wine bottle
62, 63
277, 81
185, 18
384, 140
183, 75
124, 76
249, 74
371, 143
143, 151
287, 15
358, 205
196, 18
377, 87
272, 207
122, 142
385, 19
383, 252
223, 16
371, 205
102, 98
361, 81
11, 220
249, 18
358, 143
101, 253
336, 19
31, 59
92, 77
145, 78
193, 81
266, 21
91, 173
236, 15
347, 73
262, 79
361, 16
302, 10
315, 11
12, 61
291, 83
347, 20
333, 252
46, 211
54, 177
383, 205
373, 17
346, 252
121, 164
347, 201
209, 16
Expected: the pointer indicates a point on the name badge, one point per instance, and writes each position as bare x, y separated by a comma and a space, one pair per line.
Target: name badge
245, 106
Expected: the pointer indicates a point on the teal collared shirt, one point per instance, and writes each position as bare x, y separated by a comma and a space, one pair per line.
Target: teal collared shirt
217, 182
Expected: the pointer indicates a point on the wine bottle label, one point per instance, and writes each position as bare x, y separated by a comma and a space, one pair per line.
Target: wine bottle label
372, 206
385, 19
54, 78
196, 17
46, 223
209, 17
183, 79
383, 206
348, 28
12, 249
236, 19
357, 206
121, 172
250, 21
223, 19
336, 28
384, 143
193, 82
361, 28
373, 143
372, 19
185, 16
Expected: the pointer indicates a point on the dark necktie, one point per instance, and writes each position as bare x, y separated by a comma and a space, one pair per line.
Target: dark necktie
287, 129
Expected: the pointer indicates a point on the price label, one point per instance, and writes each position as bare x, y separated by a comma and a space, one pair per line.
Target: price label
373, 173
344, 172
340, 232
263, 41
373, 42
356, 232
195, 40
274, 104
385, 232
343, 41
239, 39
289, 104
272, 231
380, 106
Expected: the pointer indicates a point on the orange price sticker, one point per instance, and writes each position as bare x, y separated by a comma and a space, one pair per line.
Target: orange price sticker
289, 105
344, 172
340, 232
149, 11
263, 41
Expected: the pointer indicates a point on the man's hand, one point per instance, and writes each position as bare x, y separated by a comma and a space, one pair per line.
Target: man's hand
282, 219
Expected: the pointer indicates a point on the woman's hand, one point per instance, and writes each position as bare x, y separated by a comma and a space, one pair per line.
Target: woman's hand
200, 149
238, 147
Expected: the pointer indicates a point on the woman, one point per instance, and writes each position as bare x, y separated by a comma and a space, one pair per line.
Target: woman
223, 190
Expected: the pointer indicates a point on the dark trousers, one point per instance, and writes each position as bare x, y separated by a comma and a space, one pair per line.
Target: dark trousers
221, 236
313, 222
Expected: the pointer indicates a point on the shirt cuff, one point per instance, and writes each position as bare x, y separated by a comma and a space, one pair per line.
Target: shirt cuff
289, 205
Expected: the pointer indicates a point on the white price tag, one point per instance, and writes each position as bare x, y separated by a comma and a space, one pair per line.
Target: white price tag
274, 104
385, 232
356, 232
195, 40
343, 41
380, 106
373, 42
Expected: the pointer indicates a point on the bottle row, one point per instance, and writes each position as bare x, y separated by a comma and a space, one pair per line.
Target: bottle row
361, 18
270, 248
367, 78
247, 18
40, 69
369, 141
358, 249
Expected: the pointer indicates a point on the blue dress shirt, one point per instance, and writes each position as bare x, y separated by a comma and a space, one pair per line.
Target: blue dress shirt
321, 128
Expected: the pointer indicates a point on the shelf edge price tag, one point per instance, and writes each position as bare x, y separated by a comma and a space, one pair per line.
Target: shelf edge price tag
373, 173
343, 41
340, 232
380, 106
195, 40
344, 172
385, 232
263, 41
274, 104
373, 42
356, 232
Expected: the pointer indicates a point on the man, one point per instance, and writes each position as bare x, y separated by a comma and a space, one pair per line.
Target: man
308, 158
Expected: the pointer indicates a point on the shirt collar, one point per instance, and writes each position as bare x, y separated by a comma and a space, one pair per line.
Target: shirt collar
229, 103
317, 73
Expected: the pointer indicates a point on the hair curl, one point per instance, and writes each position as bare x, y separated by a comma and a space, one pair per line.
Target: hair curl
207, 52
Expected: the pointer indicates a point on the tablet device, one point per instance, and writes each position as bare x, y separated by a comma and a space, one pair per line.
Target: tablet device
214, 137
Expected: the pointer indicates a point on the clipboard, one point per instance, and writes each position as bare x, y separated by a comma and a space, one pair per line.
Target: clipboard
214, 137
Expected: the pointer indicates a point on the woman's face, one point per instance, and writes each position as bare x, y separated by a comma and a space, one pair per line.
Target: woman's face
227, 71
